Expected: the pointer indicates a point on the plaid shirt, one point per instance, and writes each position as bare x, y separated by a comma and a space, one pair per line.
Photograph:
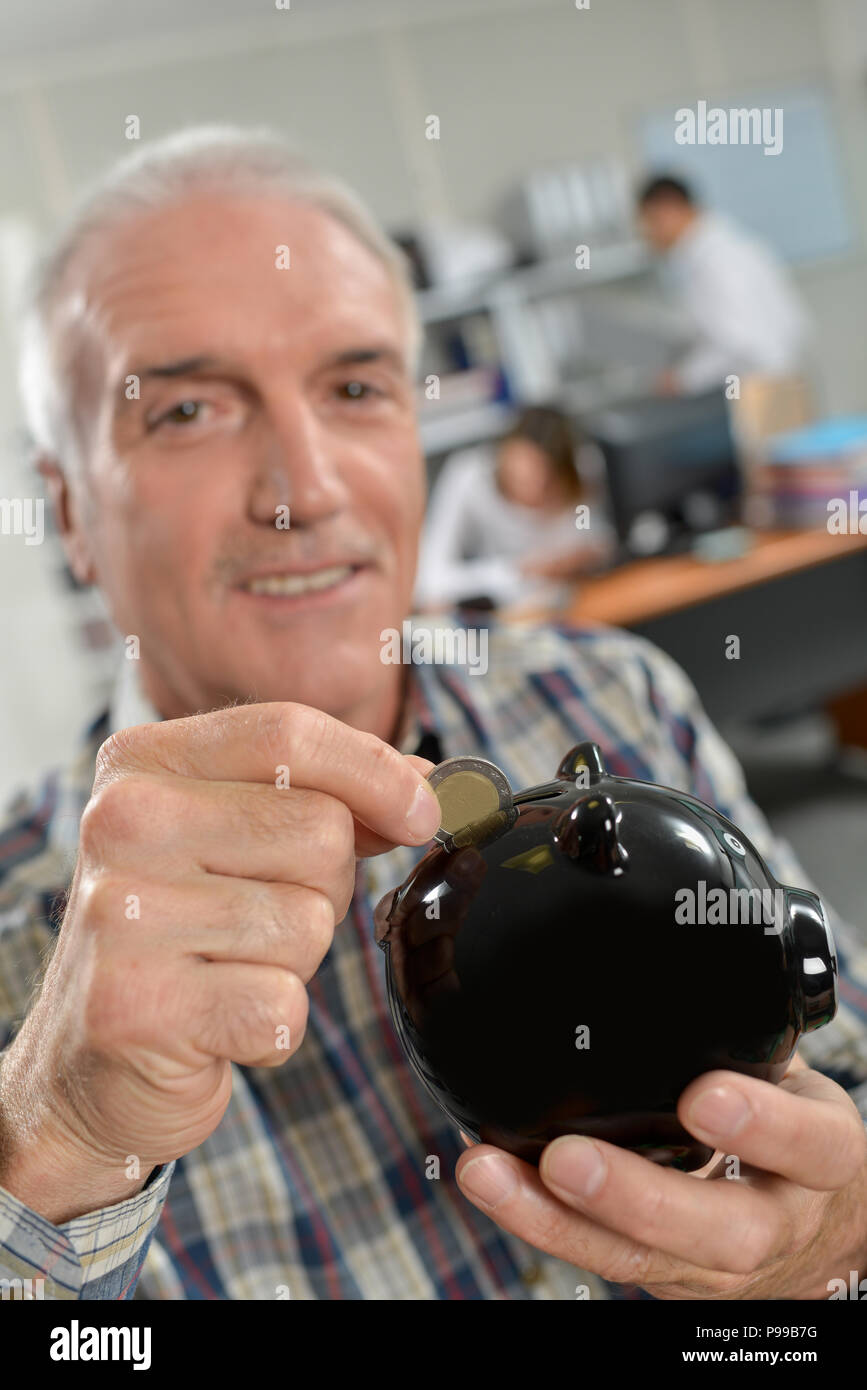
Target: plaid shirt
315, 1183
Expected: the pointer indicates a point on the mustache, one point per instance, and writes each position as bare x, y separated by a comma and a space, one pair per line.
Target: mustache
302, 552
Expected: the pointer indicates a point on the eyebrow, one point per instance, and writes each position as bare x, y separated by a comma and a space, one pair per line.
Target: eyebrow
183, 367
187, 366
379, 353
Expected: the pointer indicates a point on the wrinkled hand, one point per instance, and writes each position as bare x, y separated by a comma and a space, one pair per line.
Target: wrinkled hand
235, 881
794, 1219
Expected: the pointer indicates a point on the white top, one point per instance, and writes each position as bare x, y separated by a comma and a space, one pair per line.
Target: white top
740, 304
474, 538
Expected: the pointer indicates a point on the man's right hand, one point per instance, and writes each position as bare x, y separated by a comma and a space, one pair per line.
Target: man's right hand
204, 898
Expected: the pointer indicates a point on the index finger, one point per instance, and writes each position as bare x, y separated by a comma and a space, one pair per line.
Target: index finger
290, 745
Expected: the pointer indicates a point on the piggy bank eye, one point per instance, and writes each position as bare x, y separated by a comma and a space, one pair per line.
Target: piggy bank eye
733, 843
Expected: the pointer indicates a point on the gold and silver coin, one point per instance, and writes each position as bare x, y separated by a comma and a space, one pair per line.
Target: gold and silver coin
468, 789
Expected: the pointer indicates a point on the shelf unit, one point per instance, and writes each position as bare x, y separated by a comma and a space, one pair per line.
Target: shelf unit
534, 317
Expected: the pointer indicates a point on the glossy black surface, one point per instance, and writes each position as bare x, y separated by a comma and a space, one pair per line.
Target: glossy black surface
560, 915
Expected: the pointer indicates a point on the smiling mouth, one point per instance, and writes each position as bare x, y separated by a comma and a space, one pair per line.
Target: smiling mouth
288, 585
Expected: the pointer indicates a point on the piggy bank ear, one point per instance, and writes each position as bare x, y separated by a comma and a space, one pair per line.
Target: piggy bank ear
584, 757
589, 830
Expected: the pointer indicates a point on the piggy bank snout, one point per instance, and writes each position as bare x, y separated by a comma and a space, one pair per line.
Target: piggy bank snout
815, 959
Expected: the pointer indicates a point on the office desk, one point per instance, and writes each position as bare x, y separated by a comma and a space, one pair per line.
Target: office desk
797, 601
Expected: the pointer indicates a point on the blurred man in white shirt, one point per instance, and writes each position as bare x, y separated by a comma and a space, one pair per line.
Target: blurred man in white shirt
743, 313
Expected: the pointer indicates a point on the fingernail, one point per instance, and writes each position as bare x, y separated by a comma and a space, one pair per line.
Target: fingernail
424, 815
490, 1179
719, 1111
576, 1165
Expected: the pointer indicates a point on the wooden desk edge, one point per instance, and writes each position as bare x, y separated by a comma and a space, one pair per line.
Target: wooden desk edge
651, 588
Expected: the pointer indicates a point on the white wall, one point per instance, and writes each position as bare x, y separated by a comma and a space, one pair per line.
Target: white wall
514, 84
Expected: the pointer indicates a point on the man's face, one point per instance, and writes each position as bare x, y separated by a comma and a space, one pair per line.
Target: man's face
266, 394
663, 221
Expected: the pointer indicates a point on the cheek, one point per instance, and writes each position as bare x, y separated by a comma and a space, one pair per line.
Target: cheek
521, 483
392, 491
152, 533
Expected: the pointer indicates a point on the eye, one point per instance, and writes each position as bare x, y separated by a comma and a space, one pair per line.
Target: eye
183, 411
356, 390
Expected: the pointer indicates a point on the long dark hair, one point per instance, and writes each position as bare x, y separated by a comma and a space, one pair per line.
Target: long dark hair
553, 432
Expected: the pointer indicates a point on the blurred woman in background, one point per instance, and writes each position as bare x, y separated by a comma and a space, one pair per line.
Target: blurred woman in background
505, 522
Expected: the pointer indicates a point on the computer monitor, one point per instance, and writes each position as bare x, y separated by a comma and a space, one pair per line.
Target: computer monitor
672, 469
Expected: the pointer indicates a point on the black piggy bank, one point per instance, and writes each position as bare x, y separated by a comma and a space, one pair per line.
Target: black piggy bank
571, 962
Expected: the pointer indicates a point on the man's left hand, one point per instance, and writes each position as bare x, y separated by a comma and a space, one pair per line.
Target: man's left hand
795, 1218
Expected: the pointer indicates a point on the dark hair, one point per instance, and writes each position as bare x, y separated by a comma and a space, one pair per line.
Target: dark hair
663, 187
551, 431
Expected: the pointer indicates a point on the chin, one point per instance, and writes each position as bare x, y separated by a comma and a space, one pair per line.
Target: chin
327, 684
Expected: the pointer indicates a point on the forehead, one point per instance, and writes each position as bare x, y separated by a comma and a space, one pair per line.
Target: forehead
245, 276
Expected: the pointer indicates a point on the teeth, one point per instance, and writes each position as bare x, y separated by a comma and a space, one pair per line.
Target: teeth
287, 584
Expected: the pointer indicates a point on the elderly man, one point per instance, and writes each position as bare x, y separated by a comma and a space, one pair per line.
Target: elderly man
201, 1094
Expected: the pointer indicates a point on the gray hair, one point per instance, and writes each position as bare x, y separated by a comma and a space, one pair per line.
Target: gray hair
222, 158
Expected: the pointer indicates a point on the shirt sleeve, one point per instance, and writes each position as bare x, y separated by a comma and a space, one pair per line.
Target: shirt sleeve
704, 366
98, 1255
567, 540
95, 1256
442, 552
692, 754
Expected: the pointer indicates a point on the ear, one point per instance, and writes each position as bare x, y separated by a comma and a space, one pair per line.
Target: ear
67, 516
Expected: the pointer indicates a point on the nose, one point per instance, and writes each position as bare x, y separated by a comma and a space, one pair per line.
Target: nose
297, 468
